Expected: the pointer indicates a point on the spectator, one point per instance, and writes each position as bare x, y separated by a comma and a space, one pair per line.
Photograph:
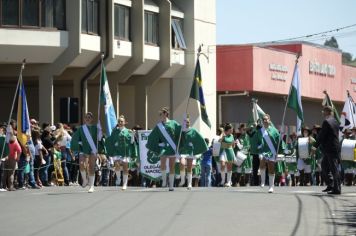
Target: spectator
10, 163
206, 166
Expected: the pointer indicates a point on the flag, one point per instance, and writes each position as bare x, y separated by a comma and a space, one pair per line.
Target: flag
23, 119
196, 93
327, 102
348, 115
295, 98
105, 99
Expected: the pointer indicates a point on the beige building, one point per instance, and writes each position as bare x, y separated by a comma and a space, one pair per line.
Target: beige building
150, 49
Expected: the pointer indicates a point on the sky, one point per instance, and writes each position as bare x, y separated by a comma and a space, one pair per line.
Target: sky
252, 21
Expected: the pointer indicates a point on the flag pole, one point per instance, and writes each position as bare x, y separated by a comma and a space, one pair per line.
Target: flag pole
285, 108
351, 108
13, 101
186, 108
98, 124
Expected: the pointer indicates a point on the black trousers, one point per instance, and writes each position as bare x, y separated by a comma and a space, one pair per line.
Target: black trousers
330, 171
255, 167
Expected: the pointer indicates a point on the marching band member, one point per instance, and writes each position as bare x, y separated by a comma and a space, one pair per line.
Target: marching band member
121, 146
191, 144
163, 141
87, 141
245, 169
269, 137
227, 155
305, 166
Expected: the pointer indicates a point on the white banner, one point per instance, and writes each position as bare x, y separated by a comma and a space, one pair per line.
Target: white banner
149, 162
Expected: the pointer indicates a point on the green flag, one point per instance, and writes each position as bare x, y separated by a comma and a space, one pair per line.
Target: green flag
197, 93
295, 99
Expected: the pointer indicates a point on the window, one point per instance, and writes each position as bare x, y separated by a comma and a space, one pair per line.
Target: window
33, 13
177, 34
90, 16
122, 22
151, 28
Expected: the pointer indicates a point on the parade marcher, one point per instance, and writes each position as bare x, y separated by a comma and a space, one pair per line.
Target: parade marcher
190, 145
227, 155
245, 170
121, 146
328, 140
163, 141
348, 166
87, 140
269, 138
306, 164
291, 159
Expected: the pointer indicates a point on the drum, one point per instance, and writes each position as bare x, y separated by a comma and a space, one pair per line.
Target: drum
303, 148
347, 150
216, 148
291, 159
240, 157
280, 157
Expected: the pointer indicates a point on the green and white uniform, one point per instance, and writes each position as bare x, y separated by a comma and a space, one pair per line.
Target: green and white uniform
226, 151
349, 166
121, 145
80, 143
158, 143
269, 139
246, 166
192, 144
291, 159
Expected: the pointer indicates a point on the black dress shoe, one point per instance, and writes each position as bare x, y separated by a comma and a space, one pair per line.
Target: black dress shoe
327, 189
334, 192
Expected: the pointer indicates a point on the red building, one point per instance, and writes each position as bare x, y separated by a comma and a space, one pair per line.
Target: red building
265, 72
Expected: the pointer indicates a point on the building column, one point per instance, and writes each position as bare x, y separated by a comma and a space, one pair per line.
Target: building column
76, 94
141, 101
46, 99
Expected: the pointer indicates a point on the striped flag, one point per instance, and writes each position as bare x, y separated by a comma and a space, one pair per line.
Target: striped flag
197, 93
23, 119
105, 99
348, 115
295, 99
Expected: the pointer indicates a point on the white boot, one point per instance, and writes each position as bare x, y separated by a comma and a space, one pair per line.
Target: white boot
182, 178
263, 177
124, 184
228, 181
190, 180
118, 177
84, 178
222, 178
91, 183
271, 183
164, 178
171, 182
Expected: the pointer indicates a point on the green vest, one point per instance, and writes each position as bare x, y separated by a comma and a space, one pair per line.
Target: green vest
79, 142
158, 144
192, 143
6, 148
119, 143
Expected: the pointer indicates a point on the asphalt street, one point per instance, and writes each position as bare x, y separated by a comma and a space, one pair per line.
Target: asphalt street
201, 211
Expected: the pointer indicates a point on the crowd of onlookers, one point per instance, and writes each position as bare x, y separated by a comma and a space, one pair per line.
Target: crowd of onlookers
47, 160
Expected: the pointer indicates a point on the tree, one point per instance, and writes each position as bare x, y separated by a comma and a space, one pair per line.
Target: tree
346, 57
332, 42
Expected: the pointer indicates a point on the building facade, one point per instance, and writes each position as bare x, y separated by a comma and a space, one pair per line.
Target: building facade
149, 46
265, 72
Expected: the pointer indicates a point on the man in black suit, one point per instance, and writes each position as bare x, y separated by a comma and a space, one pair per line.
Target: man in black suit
328, 140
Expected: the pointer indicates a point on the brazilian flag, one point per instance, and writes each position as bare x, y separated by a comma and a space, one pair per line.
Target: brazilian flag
197, 93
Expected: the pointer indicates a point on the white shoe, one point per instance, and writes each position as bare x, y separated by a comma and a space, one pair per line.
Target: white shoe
270, 190
262, 185
189, 187
181, 183
228, 184
124, 187
91, 189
